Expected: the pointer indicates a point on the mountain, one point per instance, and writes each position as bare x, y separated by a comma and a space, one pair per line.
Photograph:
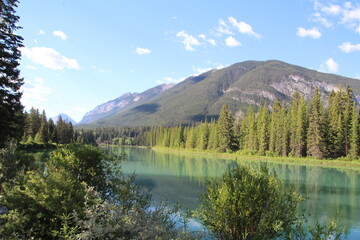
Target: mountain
64, 117
123, 103
240, 85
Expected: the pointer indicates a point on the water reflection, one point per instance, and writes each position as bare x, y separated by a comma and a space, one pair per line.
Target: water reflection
332, 193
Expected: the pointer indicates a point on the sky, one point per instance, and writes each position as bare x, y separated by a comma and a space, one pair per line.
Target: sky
78, 54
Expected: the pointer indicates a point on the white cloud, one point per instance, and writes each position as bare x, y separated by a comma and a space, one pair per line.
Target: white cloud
30, 67
243, 27
322, 20
188, 40
49, 58
312, 32
351, 14
35, 93
223, 28
142, 51
331, 9
41, 32
348, 14
202, 36
60, 34
211, 41
348, 47
232, 42
358, 30
331, 65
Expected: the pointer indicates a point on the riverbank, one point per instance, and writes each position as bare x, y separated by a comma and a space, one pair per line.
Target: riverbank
333, 163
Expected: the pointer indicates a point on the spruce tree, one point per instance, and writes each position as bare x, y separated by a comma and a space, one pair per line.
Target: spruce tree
354, 134
262, 128
44, 129
11, 117
226, 130
315, 134
249, 133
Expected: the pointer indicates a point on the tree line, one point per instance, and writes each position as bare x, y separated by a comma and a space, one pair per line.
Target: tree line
320, 129
38, 129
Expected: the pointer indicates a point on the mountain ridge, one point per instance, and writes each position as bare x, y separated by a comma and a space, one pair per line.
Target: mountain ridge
240, 85
122, 103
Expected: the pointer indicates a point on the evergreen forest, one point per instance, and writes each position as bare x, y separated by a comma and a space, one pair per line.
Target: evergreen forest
321, 128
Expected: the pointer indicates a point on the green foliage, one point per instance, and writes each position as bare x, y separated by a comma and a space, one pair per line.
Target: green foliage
83, 194
246, 204
226, 133
316, 131
301, 129
39, 130
11, 117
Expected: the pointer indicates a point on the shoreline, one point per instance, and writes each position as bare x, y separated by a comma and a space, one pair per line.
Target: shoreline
330, 163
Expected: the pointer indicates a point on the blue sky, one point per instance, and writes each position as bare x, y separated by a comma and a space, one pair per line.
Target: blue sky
81, 53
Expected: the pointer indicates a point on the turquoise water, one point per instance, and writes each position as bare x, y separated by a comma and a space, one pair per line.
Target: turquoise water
331, 193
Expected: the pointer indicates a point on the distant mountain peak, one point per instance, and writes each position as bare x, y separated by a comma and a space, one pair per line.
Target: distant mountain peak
65, 118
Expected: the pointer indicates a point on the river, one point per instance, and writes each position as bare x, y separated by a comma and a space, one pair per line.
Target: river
180, 178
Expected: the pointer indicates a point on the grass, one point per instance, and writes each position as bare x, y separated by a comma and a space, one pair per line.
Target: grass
238, 156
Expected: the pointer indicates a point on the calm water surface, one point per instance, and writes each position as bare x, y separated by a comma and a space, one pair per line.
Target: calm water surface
332, 193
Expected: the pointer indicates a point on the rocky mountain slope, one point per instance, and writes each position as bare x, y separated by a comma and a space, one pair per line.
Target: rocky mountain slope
123, 103
239, 85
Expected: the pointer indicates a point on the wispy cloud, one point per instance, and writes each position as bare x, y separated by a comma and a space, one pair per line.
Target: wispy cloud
312, 32
206, 39
189, 41
243, 27
232, 42
347, 14
60, 34
100, 70
318, 17
142, 51
30, 67
41, 32
223, 28
348, 47
35, 93
49, 58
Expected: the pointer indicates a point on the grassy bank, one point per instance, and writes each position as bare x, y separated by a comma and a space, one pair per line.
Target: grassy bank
334, 163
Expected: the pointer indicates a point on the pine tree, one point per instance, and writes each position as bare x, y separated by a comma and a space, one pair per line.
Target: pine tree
213, 136
44, 129
204, 136
298, 120
226, 130
248, 132
180, 139
11, 117
274, 128
262, 128
315, 134
354, 134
